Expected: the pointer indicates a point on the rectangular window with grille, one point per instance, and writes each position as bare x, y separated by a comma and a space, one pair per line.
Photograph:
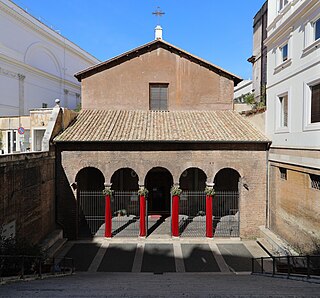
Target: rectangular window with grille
158, 97
315, 103
283, 173
315, 181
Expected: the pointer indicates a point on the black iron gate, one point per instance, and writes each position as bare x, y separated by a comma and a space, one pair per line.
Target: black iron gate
125, 207
91, 210
226, 216
126, 214
192, 214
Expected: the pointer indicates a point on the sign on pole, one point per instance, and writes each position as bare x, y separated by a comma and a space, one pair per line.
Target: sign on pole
20, 130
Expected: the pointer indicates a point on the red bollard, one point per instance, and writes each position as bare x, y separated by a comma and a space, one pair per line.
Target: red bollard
142, 216
108, 218
175, 216
209, 229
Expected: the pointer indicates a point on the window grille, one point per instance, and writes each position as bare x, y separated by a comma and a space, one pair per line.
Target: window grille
159, 97
315, 181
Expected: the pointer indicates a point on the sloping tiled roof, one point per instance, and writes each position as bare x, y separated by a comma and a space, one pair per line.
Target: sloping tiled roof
155, 44
163, 126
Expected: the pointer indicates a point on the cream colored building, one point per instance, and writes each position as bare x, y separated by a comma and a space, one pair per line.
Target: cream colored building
37, 65
293, 120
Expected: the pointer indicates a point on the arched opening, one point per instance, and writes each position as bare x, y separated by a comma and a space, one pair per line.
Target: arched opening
90, 179
192, 208
226, 179
125, 179
193, 179
226, 203
159, 182
91, 204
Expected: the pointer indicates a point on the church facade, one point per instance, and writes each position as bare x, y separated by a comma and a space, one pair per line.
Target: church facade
156, 117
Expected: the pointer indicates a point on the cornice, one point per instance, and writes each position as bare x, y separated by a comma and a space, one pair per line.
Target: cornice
306, 7
46, 31
281, 34
35, 71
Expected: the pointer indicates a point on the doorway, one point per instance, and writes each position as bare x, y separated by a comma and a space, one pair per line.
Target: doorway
159, 181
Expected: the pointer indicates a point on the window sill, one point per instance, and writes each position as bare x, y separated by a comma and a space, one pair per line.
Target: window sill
282, 66
312, 126
282, 130
309, 49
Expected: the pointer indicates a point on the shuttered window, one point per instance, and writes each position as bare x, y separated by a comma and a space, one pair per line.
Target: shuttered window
315, 103
159, 97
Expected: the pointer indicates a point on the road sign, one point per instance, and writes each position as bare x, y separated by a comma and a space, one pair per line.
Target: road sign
20, 130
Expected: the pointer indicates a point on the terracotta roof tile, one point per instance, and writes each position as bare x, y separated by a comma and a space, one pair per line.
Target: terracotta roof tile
151, 126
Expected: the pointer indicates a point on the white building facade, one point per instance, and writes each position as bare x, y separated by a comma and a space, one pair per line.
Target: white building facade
36, 64
293, 118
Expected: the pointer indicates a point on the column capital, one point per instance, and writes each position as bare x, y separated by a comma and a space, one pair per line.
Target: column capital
209, 184
21, 77
107, 184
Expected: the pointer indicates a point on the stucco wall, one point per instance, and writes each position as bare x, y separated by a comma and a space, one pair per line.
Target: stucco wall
27, 194
250, 162
126, 86
37, 64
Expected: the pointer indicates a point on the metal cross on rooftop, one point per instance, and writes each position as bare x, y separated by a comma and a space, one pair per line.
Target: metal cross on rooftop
159, 13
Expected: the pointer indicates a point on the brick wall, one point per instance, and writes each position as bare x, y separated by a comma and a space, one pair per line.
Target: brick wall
126, 86
294, 206
248, 160
27, 196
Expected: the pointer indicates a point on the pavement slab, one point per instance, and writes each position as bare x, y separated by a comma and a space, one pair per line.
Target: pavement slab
158, 258
199, 258
118, 258
237, 257
83, 255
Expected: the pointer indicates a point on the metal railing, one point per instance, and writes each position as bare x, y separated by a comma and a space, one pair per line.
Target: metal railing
192, 214
287, 265
22, 266
92, 209
226, 217
125, 207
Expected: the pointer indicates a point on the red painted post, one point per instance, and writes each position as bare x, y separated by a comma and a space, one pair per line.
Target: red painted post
175, 216
142, 216
209, 230
108, 218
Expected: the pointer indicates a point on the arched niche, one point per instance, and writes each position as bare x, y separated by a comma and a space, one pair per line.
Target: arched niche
40, 57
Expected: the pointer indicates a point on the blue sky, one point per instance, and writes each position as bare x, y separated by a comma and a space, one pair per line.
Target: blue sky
217, 31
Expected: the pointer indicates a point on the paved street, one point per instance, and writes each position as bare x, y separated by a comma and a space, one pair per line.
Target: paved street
166, 268
161, 285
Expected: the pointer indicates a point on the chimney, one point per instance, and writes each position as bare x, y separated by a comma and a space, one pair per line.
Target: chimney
158, 32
